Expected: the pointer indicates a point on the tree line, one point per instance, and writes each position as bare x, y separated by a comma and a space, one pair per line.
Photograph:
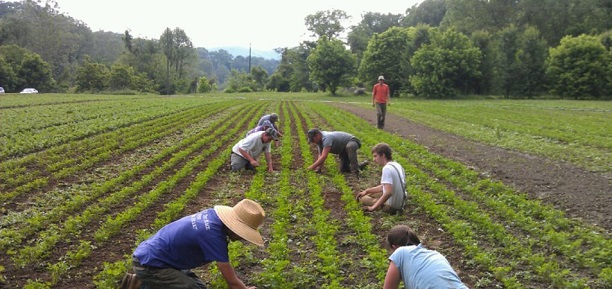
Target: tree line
435, 49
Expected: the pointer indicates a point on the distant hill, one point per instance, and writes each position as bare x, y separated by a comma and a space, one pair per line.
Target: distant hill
244, 51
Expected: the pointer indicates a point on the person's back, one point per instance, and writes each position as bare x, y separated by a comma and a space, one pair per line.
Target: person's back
425, 269
337, 140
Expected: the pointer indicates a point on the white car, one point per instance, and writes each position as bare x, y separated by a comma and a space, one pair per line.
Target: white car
29, 90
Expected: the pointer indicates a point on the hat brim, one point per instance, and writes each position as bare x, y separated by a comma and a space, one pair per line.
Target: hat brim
231, 220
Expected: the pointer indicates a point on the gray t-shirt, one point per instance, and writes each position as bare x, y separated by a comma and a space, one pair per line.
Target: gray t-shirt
337, 140
252, 144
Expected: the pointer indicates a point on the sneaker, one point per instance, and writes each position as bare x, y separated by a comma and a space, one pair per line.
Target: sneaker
363, 165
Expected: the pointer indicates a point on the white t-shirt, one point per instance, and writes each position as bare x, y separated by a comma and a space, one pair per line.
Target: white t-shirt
252, 144
390, 176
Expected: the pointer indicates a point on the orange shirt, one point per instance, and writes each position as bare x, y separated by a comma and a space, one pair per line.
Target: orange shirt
380, 92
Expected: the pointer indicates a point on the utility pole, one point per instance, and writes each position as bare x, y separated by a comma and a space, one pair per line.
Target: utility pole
249, 58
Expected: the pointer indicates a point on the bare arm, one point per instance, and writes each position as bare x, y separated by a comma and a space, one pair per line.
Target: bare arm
269, 160
392, 279
233, 282
373, 90
387, 192
370, 191
248, 156
321, 159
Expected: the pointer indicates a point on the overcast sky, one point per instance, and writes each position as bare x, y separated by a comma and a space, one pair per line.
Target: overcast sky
264, 24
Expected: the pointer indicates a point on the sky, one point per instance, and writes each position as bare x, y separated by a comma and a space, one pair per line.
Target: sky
260, 24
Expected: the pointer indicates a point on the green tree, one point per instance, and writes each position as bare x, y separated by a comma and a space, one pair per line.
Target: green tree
293, 73
486, 83
260, 76
8, 77
388, 54
91, 76
120, 77
371, 23
532, 57
204, 85
35, 72
240, 81
446, 67
331, 64
509, 65
579, 67
328, 23
430, 12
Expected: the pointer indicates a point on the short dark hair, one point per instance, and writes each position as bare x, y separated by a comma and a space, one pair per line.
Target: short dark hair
383, 149
312, 133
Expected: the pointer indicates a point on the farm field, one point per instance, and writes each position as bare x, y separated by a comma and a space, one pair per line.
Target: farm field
84, 179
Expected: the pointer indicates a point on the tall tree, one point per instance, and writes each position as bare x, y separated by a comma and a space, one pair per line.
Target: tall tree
328, 23
371, 23
387, 54
579, 67
331, 64
446, 67
430, 12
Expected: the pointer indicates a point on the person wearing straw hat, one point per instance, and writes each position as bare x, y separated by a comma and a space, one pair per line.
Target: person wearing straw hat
415, 265
165, 259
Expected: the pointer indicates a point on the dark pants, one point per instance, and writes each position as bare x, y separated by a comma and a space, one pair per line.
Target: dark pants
381, 111
348, 158
166, 278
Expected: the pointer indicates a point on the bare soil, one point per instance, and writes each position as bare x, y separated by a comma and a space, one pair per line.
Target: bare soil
581, 194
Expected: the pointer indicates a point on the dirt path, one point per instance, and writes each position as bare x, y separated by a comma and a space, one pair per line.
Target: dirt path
581, 194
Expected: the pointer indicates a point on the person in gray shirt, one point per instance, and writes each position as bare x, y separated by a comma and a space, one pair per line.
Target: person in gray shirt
343, 144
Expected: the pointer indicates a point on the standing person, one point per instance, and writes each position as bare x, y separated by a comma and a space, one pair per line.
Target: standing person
381, 97
165, 260
417, 266
272, 118
246, 152
391, 193
343, 144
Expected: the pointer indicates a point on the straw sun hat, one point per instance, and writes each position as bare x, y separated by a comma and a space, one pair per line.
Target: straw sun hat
243, 219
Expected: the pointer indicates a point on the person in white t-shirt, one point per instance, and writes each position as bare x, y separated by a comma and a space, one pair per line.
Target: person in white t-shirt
246, 152
391, 193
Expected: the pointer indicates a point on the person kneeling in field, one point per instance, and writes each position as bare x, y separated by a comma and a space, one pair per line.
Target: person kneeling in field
391, 193
248, 149
165, 260
343, 144
417, 266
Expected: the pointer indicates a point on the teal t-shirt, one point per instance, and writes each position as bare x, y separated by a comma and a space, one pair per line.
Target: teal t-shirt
425, 269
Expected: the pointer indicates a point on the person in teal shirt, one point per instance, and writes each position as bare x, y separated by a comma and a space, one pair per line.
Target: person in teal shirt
417, 266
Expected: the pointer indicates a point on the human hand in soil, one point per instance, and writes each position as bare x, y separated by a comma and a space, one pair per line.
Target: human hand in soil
368, 208
255, 163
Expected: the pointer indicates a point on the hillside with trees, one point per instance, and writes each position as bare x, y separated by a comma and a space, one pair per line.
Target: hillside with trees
436, 49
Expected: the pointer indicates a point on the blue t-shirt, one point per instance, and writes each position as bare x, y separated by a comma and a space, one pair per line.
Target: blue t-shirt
425, 269
187, 243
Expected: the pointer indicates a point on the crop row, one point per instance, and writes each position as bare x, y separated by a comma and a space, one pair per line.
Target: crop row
33, 253
475, 211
